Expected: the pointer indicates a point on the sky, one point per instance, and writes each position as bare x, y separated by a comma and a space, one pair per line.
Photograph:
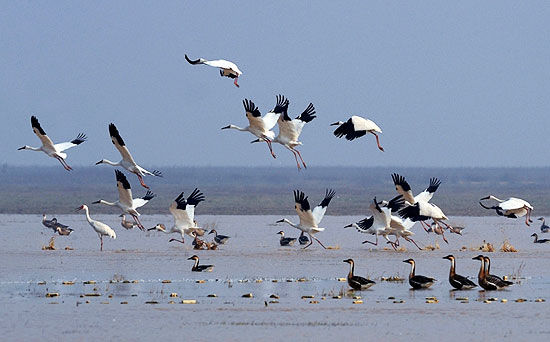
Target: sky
450, 83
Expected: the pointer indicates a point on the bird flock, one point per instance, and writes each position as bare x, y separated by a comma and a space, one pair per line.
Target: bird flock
388, 218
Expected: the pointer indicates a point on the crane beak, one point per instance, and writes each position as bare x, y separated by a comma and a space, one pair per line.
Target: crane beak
96, 202
226, 127
335, 124
99, 162
280, 221
21, 148
349, 225
255, 141
485, 198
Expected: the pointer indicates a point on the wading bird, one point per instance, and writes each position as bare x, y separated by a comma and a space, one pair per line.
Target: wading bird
357, 282
183, 211
456, 280
487, 281
258, 125
290, 129
125, 201
227, 68
512, 207
309, 219
220, 239
356, 127
422, 211
286, 241
100, 228
200, 268
127, 161
51, 149
418, 281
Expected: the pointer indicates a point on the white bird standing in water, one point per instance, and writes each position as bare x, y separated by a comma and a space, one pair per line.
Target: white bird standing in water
51, 149
356, 127
309, 219
258, 125
227, 68
127, 161
100, 228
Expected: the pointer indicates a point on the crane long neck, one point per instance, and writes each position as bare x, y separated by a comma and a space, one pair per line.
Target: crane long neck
112, 204
107, 161
292, 224
88, 215
30, 148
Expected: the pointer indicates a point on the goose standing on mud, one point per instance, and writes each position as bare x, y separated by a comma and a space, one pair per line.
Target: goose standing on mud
125, 201
456, 280
544, 228
183, 211
356, 127
309, 219
127, 161
200, 268
286, 241
512, 207
100, 228
227, 68
537, 240
418, 281
261, 126
357, 282
48, 147
290, 129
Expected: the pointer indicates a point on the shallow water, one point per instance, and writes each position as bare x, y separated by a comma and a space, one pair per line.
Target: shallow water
132, 269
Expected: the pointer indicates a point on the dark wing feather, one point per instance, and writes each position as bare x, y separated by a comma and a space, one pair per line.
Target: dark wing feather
120, 177
148, 196
113, 132
36, 124
463, 280
281, 106
251, 108
329, 194
396, 203
195, 198
301, 198
79, 139
366, 223
307, 114
434, 184
400, 180
348, 129
411, 212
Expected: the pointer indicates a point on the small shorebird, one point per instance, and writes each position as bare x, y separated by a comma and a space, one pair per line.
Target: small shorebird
100, 228
227, 68
356, 127
418, 281
357, 282
286, 241
456, 280
127, 161
200, 268
48, 147
512, 207
544, 228
220, 239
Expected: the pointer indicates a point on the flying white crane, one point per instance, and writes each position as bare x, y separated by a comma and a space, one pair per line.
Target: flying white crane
127, 161
512, 207
183, 211
258, 125
356, 127
227, 68
125, 201
422, 211
51, 149
309, 219
100, 228
290, 129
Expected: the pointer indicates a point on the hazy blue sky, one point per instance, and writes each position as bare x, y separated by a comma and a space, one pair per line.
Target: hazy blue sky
450, 83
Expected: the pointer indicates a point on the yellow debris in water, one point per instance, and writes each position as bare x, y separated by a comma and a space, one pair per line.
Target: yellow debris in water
104, 303
171, 302
308, 296
89, 282
431, 298
461, 298
274, 296
274, 280
52, 294
94, 294
200, 281
189, 301
341, 279
356, 297
166, 281
68, 283
247, 295
53, 303
432, 301
313, 302
173, 294
41, 283
259, 280
212, 295
110, 296
273, 302
123, 302
301, 280
398, 301
336, 297
126, 282
333, 247
135, 281
487, 301
323, 298
359, 301
521, 300
151, 302
504, 300
492, 299
540, 300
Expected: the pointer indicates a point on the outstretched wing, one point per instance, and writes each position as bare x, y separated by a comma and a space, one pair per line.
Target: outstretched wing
67, 145
319, 211
365, 224
426, 195
140, 202
403, 188
119, 143
349, 130
37, 129
124, 189
195, 198
396, 203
